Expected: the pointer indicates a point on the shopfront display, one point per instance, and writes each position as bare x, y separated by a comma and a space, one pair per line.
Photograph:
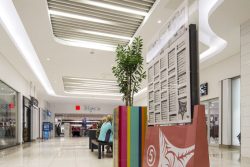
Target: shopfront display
236, 121
8, 116
35, 119
212, 121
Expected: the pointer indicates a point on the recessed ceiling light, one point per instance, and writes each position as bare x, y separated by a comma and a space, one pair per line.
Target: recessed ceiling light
159, 21
80, 17
2, 88
113, 7
48, 59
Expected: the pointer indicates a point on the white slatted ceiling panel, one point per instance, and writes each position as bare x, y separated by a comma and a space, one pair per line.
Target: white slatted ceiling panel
120, 22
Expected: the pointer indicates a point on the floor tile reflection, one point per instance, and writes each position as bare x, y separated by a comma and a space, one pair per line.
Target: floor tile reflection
74, 152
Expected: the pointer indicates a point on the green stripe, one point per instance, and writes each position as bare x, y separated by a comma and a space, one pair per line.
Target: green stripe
134, 138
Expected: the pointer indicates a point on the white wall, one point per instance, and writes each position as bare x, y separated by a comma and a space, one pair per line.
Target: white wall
13, 78
228, 68
245, 90
70, 108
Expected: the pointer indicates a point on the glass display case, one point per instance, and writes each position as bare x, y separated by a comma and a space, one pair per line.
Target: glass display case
8, 116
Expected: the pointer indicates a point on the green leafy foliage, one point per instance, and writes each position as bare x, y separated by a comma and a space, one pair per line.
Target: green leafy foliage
129, 69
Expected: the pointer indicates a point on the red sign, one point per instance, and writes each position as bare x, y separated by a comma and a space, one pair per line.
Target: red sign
178, 146
78, 107
11, 106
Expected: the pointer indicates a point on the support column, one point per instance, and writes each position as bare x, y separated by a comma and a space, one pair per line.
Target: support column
245, 89
20, 118
226, 112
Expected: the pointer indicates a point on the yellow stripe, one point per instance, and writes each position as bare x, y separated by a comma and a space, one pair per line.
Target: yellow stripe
128, 136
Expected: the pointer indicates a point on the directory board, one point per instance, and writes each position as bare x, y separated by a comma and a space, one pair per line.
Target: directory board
169, 91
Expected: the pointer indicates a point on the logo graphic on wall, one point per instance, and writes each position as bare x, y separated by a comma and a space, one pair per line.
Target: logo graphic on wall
172, 156
151, 155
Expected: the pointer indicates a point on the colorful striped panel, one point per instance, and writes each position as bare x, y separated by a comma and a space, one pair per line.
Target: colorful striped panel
123, 137
134, 137
116, 135
129, 136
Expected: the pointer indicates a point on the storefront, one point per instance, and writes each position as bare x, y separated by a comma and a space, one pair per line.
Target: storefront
223, 114
26, 120
212, 120
8, 116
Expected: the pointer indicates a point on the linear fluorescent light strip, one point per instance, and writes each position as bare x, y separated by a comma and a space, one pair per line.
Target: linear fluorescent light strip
86, 79
82, 91
12, 24
113, 7
105, 34
82, 97
93, 87
91, 93
80, 17
85, 44
89, 84
92, 90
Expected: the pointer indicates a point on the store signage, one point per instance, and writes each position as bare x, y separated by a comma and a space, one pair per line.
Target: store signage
204, 89
7, 106
87, 108
91, 108
78, 108
49, 113
26, 101
34, 101
11, 106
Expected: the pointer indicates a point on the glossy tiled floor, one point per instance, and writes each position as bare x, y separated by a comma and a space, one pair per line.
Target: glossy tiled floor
222, 157
74, 152
71, 152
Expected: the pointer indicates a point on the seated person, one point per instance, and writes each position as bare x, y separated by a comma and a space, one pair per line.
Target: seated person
106, 132
99, 125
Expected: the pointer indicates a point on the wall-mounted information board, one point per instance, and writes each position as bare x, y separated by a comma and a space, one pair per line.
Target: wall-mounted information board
169, 91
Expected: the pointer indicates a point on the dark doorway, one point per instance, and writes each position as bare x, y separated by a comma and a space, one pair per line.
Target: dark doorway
26, 120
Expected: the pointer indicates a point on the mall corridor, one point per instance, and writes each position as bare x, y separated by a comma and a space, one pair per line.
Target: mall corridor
124, 83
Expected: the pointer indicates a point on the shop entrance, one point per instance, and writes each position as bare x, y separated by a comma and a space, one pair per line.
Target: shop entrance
26, 120
212, 119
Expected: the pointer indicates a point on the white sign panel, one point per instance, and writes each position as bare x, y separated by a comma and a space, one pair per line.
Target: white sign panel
169, 74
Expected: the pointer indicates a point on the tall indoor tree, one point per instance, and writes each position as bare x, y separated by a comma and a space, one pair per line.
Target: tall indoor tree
129, 69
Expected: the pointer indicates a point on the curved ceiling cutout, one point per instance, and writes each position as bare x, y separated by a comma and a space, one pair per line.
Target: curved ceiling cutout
13, 25
206, 34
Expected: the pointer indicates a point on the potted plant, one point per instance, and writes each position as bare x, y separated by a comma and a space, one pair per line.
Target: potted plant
129, 69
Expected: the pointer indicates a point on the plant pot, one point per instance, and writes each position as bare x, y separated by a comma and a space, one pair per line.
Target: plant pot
130, 124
